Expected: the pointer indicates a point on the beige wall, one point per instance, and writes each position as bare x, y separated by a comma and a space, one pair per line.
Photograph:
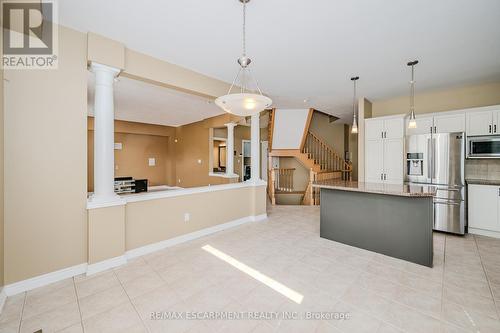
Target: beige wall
106, 227
441, 100
365, 111
46, 164
139, 143
45, 157
143, 67
117, 229
105, 51
353, 148
331, 133
193, 145
153, 221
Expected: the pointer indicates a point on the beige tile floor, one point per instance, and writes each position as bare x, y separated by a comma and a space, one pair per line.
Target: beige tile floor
380, 294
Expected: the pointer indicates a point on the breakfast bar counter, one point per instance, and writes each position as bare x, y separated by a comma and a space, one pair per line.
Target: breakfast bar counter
392, 219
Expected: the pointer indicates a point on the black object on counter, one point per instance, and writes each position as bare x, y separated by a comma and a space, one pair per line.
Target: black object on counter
141, 185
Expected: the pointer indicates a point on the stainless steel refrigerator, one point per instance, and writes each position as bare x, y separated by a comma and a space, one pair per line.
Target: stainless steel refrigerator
438, 159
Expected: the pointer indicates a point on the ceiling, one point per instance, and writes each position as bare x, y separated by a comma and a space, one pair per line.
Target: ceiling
304, 52
147, 103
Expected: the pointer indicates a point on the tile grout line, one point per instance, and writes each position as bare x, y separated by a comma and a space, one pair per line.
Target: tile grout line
132, 303
22, 312
487, 278
78, 303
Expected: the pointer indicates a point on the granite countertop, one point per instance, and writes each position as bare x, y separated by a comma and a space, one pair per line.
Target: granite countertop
478, 181
389, 189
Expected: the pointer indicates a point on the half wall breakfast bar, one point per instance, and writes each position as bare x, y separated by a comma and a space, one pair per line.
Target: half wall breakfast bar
395, 220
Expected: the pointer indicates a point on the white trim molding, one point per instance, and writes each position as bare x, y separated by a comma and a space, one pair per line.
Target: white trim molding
187, 191
482, 232
105, 265
102, 204
146, 249
69, 272
3, 298
45, 279
223, 175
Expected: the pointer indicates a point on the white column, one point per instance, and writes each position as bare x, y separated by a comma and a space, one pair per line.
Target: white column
255, 148
230, 149
104, 132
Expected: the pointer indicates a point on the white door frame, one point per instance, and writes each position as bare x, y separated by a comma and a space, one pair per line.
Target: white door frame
264, 146
243, 157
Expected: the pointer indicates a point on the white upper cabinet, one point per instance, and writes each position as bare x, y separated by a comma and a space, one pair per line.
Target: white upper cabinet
449, 123
496, 122
374, 129
480, 123
384, 150
391, 128
445, 123
424, 125
394, 128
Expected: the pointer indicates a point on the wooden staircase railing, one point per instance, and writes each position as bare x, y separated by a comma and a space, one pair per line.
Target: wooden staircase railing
284, 179
311, 195
323, 155
280, 181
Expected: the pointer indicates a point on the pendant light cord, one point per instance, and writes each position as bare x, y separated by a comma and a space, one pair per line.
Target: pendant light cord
412, 90
244, 27
354, 96
354, 100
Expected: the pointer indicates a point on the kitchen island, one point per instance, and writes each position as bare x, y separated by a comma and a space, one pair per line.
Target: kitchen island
395, 220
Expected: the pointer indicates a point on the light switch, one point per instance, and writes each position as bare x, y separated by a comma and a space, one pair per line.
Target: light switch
152, 161
118, 146
199, 161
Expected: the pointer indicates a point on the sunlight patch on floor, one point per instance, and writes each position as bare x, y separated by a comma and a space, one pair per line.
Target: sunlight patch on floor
271, 283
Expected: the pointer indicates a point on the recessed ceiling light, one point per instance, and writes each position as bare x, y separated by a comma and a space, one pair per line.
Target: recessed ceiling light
306, 100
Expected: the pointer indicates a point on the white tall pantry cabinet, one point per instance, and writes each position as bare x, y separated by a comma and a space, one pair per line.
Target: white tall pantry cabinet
384, 150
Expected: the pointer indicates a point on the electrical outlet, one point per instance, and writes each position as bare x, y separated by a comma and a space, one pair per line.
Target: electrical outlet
179, 180
199, 161
187, 216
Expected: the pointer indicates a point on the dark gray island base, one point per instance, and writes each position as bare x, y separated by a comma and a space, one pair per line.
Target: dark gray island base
395, 220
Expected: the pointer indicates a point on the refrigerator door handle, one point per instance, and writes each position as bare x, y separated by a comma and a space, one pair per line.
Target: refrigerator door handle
434, 149
429, 159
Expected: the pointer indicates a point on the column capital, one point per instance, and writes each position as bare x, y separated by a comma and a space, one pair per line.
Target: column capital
230, 125
97, 67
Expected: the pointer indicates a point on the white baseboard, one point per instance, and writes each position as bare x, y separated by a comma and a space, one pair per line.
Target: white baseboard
45, 279
257, 218
483, 232
143, 250
105, 264
3, 298
65, 273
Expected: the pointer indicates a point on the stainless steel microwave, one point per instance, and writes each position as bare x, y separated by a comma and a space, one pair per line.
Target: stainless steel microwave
483, 146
